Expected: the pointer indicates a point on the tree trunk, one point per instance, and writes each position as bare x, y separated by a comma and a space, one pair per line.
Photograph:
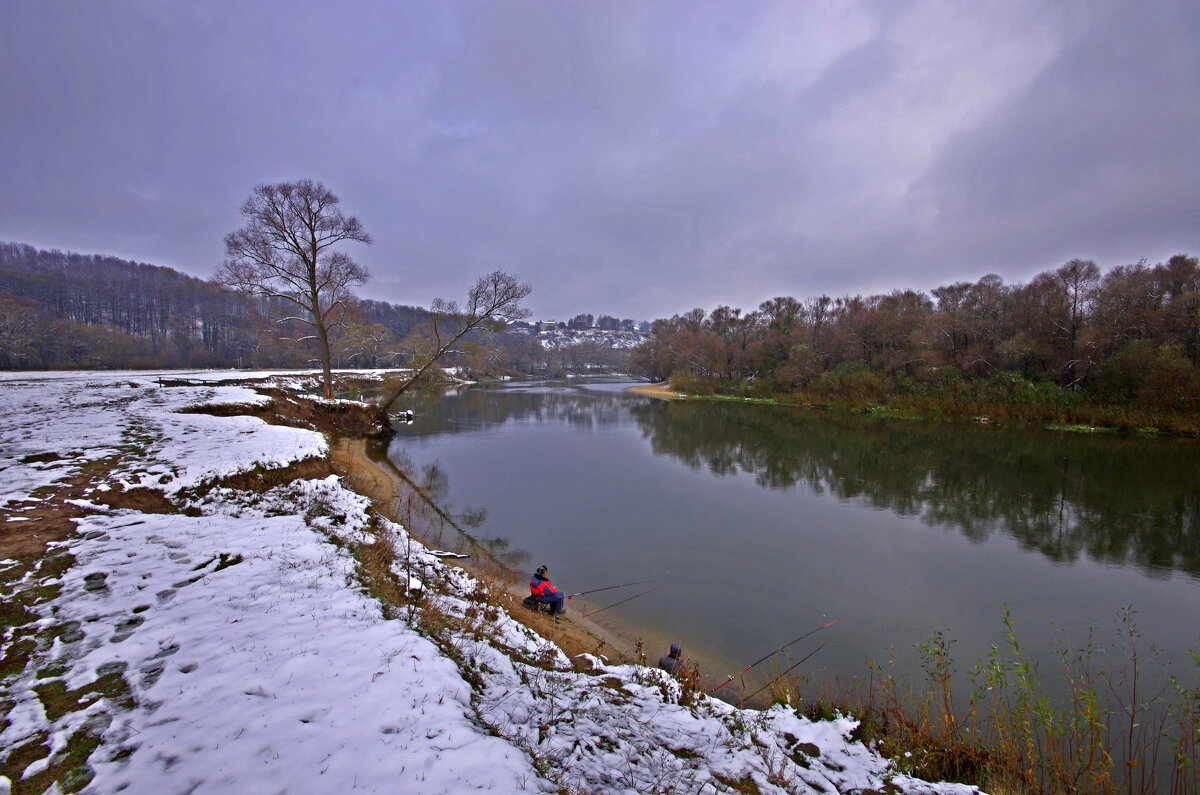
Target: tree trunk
323, 339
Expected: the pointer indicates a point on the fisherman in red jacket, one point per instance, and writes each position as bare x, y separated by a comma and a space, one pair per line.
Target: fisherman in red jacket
544, 592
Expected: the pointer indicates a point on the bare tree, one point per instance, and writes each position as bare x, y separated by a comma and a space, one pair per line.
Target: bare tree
494, 299
285, 251
19, 322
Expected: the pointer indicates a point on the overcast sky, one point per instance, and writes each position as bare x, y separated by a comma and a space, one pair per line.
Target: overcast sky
636, 159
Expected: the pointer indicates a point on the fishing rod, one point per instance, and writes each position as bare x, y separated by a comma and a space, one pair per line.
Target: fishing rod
789, 670
623, 601
611, 587
772, 654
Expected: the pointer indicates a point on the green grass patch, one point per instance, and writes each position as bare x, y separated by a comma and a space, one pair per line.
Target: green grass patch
1083, 429
68, 767
57, 700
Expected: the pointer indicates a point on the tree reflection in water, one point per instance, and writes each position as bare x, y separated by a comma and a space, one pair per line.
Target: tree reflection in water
1117, 499
425, 508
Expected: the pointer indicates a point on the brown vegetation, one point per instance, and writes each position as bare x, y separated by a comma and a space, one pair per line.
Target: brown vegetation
1071, 346
285, 252
67, 310
1112, 733
342, 418
492, 301
27, 527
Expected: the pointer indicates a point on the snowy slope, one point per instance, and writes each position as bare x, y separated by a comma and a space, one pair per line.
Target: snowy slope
617, 340
248, 657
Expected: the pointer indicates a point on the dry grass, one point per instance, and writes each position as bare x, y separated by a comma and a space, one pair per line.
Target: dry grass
1107, 736
376, 561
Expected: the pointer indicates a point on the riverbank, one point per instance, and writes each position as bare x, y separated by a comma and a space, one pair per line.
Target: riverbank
251, 623
1048, 408
660, 390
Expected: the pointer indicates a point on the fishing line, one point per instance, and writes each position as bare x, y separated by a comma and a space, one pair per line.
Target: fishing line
772, 654
785, 673
611, 587
623, 601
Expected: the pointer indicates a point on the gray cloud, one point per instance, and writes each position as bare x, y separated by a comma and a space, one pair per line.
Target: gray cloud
1091, 160
634, 159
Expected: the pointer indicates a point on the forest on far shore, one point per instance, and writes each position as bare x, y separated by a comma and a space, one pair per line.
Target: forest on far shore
79, 311
63, 310
1073, 345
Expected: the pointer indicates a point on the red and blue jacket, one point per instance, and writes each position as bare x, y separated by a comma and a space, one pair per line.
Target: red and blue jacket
541, 588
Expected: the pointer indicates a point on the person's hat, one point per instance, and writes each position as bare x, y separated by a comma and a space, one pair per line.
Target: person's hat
675, 649
541, 571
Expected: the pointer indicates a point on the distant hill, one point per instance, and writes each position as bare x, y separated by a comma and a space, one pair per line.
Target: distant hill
64, 310
619, 339
68, 310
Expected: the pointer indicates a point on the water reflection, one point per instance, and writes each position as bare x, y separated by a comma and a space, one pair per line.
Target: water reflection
480, 408
425, 507
1115, 499
828, 516
765, 521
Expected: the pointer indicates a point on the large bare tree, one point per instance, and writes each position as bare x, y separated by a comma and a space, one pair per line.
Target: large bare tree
286, 251
494, 299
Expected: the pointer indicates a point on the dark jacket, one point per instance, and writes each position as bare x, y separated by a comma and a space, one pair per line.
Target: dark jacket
670, 663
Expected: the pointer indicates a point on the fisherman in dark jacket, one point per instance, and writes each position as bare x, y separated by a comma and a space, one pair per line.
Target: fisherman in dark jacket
544, 592
671, 662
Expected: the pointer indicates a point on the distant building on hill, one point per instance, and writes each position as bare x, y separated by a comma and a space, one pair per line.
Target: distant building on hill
521, 327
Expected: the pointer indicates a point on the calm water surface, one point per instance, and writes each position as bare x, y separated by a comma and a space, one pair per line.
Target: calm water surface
769, 521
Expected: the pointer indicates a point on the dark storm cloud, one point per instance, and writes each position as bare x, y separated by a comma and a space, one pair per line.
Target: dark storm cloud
635, 159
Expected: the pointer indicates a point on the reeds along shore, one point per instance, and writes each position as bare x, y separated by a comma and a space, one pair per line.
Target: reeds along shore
1126, 724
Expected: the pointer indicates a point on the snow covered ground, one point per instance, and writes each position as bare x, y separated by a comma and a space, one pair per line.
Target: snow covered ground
233, 647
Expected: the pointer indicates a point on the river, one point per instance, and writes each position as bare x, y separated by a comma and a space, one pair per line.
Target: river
758, 523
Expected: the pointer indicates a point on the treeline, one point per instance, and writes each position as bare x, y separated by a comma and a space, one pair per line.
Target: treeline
67, 310
1069, 339
604, 323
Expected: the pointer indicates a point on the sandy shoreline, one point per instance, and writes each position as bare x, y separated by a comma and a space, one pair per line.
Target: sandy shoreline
575, 635
661, 390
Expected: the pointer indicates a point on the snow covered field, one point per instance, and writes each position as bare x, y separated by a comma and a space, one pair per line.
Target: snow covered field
233, 648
